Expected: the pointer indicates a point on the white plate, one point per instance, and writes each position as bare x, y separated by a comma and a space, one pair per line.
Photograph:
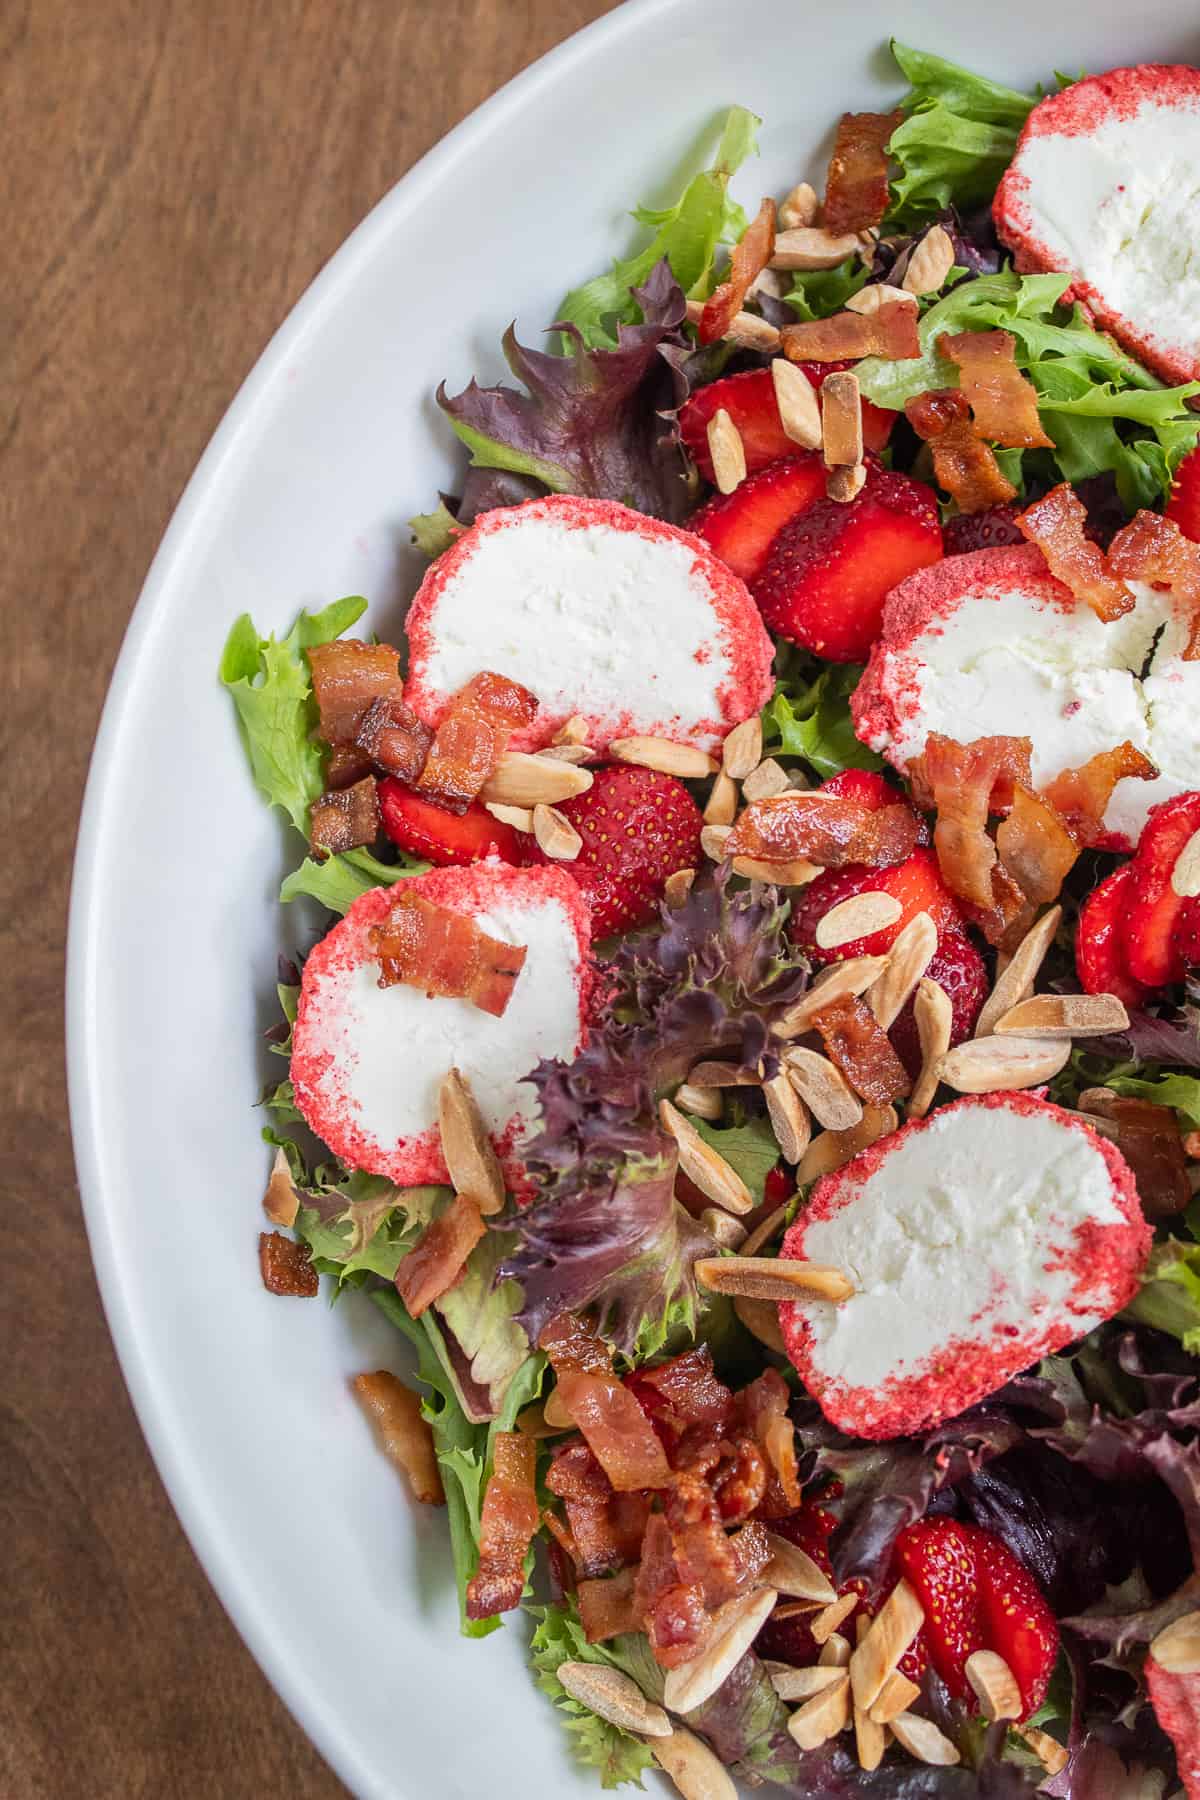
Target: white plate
340, 1588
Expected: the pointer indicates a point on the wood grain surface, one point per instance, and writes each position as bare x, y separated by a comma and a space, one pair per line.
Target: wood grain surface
175, 173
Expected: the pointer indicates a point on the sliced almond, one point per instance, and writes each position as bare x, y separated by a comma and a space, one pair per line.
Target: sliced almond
769, 281
614, 1696
734, 1628
988, 1065
783, 874
281, 1202
993, 1684
470, 1159
769, 779
854, 976
930, 262
568, 753
519, 817
870, 1737
846, 484
664, 756
716, 1074
532, 1421
841, 420
742, 750
713, 839
1063, 1015
789, 1118
1020, 972
857, 917
1185, 876
835, 1653
809, 247
557, 838
1052, 1755
761, 1320
1177, 1648
765, 1230
723, 1228
702, 1103
746, 330
722, 804
834, 1149
795, 1609
799, 407
773, 1278
823, 1716
696, 1772
802, 1684
823, 1088
934, 1016
522, 780
891, 1632
800, 208
792, 1571
922, 1739
830, 1617
869, 299
555, 1413
895, 1696
727, 451
702, 1164
678, 886
908, 959
573, 730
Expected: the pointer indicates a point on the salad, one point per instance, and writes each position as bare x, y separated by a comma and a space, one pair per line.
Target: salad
750, 1047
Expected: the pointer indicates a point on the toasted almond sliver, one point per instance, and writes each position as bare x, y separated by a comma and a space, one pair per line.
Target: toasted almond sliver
1177, 1648
1052, 1755
846, 484
555, 1413
761, 1320
765, 1230
555, 834
533, 1422
841, 420
714, 1177
830, 1617
910, 956
470, 1159
930, 262
870, 1737
573, 730
782, 874
789, 1118
856, 917
613, 1695
934, 1015
678, 886
802, 1684
727, 451
522, 780
519, 817
723, 1228
716, 1074
792, 1571
835, 1653
701, 1102
713, 839
854, 976
734, 1628
823, 1088
773, 1278
746, 330
988, 1065
568, 753
1063, 1015
1185, 876
800, 208
664, 756
895, 1696
822, 1717
922, 1739
404, 1434
695, 1771
768, 779
869, 299
281, 1202
742, 750
892, 1630
834, 1149
809, 247
794, 1609
1020, 972
796, 399
994, 1685
721, 807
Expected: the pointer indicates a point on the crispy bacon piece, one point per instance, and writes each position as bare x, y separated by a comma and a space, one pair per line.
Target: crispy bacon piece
702, 1551
445, 954
1055, 523
747, 260
751, 1551
1003, 402
394, 738
570, 1345
856, 188
403, 1431
1148, 1138
506, 1526
607, 1608
670, 1611
890, 332
472, 737
607, 1533
344, 766
1009, 915
574, 1474
347, 677
1043, 834
618, 1433
965, 782
685, 1387
763, 1405
1081, 796
963, 464
862, 1050
739, 1482
932, 413
1152, 548
828, 829
286, 1266
435, 1262
346, 818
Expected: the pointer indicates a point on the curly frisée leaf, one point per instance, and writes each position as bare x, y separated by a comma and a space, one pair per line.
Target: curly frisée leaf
559, 1637
809, 716
957, 138
339, 880
1169, 1297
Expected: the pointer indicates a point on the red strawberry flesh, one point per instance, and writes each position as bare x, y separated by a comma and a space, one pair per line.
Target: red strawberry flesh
1184, 504
990, 529
916, 883
749, 399
1155, 913
961, 973
1100, 960
741, 527
440, 837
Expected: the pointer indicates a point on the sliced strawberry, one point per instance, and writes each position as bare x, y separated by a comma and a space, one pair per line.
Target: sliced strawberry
1100, 960
1184, 504
749, 399
830, 570
638, 827
916, 883
877, 421
779, 1185
1187, 935
958, 968
1156, 910
990, 529
870, 788
741, 527
1176, 1703
443, 838
977, 1596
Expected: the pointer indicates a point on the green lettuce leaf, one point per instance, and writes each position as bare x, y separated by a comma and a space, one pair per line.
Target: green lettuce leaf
363, 1225
809, 716
482, 1318
1180, 1091
1169, 1297
957, 138
559, 1637
751, 1150
339, 880
687, 234
435, 531
816, 293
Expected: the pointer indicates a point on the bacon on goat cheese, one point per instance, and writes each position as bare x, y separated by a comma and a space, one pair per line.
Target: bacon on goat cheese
632, 624
367, 1061
1103, 186
978, 1240
990, 644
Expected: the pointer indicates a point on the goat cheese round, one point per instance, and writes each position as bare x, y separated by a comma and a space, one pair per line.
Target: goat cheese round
978, 1240
599, 611
367, 1062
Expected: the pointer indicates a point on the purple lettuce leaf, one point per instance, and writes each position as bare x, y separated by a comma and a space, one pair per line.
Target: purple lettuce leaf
745, 1724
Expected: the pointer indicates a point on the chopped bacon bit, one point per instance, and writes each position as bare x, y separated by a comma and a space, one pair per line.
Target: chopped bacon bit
751, 1551
962, 463
965, 782
856, 188
747, 260
1002, 400
686, 1387
1036, 847
607, 1608
1148, 1138
831, 830
1056, 524
562, 1540
607, 1533
703, 1554
1152, 548
764, 1407
286, 1266
507, 1523
394, 738
347, 676
618, 1432
1081, 796
435, 1262
934, 412
862, 1050
740, 1481
472, 737
677, 1625
446, 954
344, 766
1008, 917
346, 818
403, 1431
574, 1474
570, 1345
890, 331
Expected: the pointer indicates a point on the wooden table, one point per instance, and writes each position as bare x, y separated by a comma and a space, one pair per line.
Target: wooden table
175, 173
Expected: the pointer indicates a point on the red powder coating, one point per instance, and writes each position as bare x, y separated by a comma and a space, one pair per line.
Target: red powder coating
320, 1091
1105, 1261
742, 636
1176, 1703
1078, 110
